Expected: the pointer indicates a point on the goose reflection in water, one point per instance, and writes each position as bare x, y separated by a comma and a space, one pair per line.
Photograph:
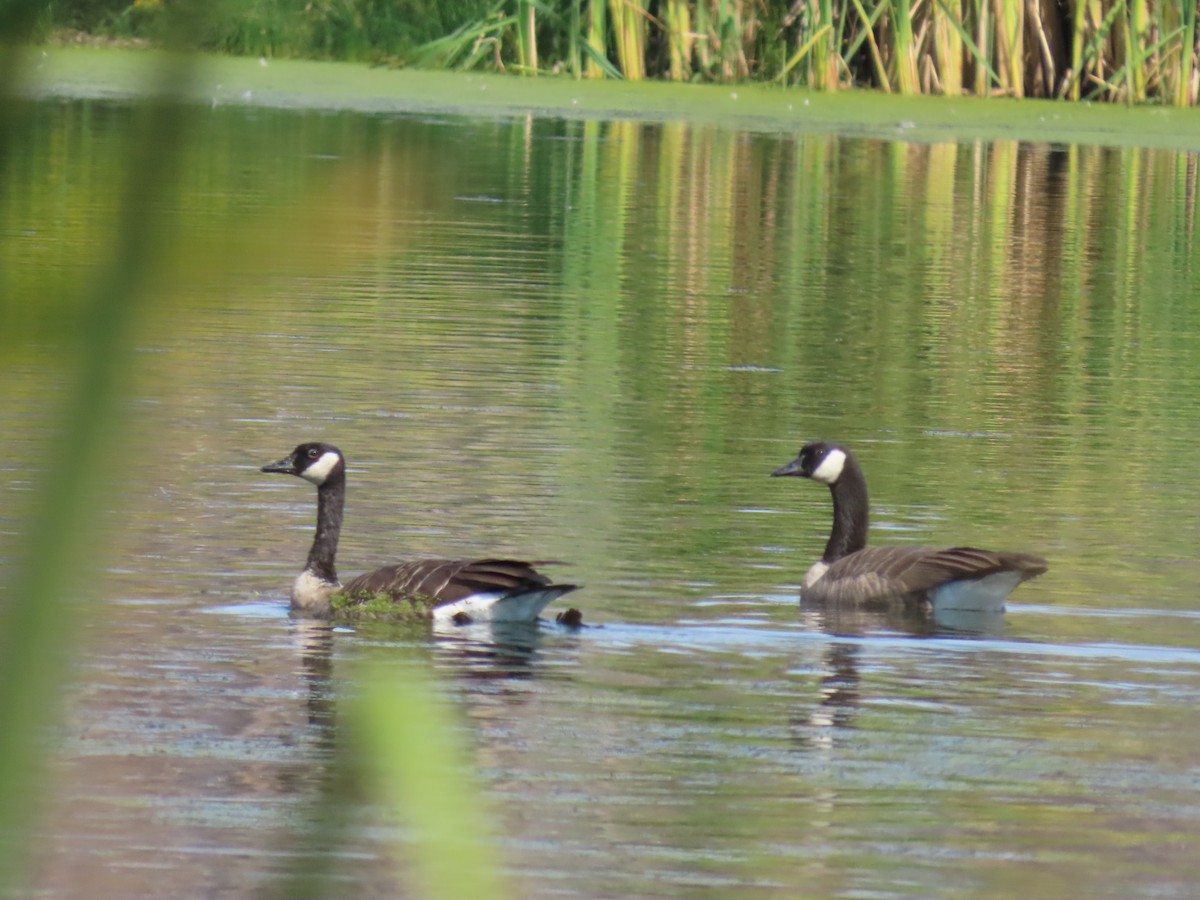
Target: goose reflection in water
841, 689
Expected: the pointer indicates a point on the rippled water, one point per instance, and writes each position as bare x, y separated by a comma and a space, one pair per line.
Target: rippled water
591, 342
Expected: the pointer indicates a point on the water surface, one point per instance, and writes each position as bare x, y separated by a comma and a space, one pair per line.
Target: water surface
591, 341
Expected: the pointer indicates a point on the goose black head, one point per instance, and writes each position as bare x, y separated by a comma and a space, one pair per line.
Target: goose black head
820, 460
315, 462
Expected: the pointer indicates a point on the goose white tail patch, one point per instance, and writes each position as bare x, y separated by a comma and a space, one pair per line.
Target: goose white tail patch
319, 470
477, 607
499, 607
985, 594
830, 469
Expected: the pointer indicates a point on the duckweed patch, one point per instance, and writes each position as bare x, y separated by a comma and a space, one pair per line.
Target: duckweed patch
381, 606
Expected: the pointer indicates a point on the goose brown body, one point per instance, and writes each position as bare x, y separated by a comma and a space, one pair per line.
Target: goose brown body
851, 572
452, 589
910, 574
451, 580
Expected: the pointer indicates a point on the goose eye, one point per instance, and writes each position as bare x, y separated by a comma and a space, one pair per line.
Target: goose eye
313, 452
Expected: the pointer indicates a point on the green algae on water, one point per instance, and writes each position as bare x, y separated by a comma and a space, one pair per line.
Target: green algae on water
381, 606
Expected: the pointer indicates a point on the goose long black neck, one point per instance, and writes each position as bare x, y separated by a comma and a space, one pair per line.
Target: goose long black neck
851, 513
331, 500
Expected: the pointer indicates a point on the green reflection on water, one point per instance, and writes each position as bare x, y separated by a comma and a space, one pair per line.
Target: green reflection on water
591, 341
672, 308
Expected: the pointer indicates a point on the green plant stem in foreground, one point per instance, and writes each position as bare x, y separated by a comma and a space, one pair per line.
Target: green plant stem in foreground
408, 752
399, 745
36, 632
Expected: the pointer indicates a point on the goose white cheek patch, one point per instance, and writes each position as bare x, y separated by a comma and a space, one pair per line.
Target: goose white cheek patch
830, 469
319, 471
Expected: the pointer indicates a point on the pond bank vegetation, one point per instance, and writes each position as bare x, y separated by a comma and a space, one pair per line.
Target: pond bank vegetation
1130, 51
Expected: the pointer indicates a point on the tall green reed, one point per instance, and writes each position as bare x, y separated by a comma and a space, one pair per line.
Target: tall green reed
527, 56
949, 54
1009, 29
904, 48
679, 39
1180, 74
629, 37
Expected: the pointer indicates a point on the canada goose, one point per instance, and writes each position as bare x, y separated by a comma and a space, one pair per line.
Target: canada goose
961, 578
461, 591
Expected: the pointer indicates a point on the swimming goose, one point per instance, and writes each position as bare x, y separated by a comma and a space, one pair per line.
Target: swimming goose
455, 590
961, 578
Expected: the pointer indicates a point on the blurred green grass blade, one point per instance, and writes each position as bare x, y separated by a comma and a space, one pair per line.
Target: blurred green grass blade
37, 628
411, 760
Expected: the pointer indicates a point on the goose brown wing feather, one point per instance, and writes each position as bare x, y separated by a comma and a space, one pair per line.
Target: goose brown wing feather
448, 580
877, 573
958, 563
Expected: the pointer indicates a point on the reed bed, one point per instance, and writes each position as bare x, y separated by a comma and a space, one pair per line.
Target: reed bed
1128, 51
